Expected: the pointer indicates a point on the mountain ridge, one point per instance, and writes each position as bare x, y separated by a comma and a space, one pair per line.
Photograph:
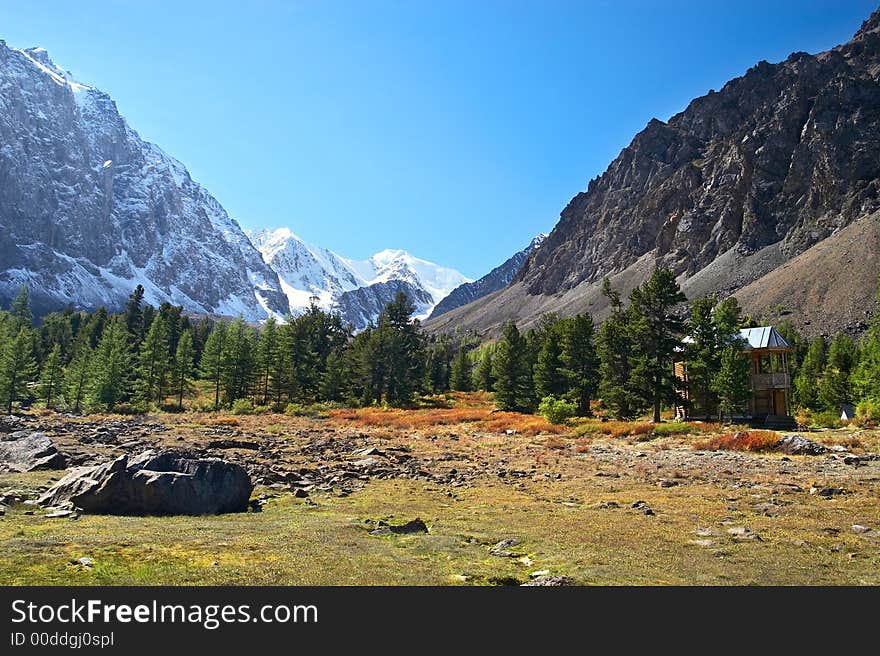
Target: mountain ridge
780, 159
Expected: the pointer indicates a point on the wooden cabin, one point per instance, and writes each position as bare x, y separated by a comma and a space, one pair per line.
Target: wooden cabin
770, 401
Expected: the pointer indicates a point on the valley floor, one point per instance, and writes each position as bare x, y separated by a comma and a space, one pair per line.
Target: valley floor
598, 510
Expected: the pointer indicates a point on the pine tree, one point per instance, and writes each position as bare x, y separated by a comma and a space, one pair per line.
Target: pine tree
656, 330
20, 310
183, 366
335, 379
703, 355
731, 383
483, 378
238, 360
153, 362
806, 385
614, 347
512, 372
834, 387
581, 364
460, 375
549, 375
866, 376
17, 366
267, 353
111, 366
77, 376
212, 365
134, 314
52, 380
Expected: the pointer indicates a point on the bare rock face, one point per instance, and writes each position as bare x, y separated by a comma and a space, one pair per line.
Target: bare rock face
23, 451
155, 483
787, 154
88, 209
497, 278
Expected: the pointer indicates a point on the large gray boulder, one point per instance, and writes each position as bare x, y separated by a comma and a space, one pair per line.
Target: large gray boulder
24, 451
155, 483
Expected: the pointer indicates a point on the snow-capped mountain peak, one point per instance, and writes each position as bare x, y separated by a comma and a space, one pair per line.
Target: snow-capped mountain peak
309, 273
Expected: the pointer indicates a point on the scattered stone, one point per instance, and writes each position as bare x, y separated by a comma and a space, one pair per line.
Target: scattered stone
798, 445
300, 493
702, 543
411, 527
643, 507
86, 562
540, 572
510, 431
741, 533
525, 560
233, 444
607, 504
369, 451
553, 581
58, 513
460, 578
502, 548
22, 451
827, 492
155, 483
705, 532
858, 528
855, 461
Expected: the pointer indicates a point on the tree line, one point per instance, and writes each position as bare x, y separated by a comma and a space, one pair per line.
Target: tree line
145, 357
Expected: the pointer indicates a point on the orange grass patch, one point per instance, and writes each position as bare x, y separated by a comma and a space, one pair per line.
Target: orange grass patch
498, 422
751, 440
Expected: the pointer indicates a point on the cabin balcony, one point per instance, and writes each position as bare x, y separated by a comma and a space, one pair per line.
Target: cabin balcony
771, 381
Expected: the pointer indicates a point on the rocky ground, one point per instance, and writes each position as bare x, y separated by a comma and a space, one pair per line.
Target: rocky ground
496, 507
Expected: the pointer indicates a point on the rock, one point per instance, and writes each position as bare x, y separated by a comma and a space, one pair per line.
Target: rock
58, 513
607, 504
300, 493
741, 533
525, 560
365, 463
852, 460
827, 491
702, 543
553, 581
414, 526
2, 511
23, 452
85, 561
510, 431
858, 528
233, 444
643, 507
369, 451
155, 483
798, 445
540, 572
502, 548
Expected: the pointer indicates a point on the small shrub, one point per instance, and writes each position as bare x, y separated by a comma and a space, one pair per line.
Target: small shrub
826, 419
868, 413
642, 429
556, 411
225, 421
242, 407
314, 410
752, 440
804, 418
673, 428
582, 445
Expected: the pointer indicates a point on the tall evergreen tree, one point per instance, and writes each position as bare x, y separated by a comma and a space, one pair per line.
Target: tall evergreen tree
835, 388
17, 366
52, 380
134, 313
335, 379
580, 362
20, 310
212, 364
549, 375
656, 329
460, 376
806, 385
514, 390
238, 360
182, 370
77, 376
614, 347
483, 377
153, 362
267, 353
703, 355
111, 366
731, 383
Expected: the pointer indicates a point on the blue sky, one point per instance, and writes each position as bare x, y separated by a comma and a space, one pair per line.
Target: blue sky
455, 130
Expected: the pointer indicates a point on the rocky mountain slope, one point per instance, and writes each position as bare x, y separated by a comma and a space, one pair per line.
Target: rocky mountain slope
88, 209
738, 184
497, 278
356, 290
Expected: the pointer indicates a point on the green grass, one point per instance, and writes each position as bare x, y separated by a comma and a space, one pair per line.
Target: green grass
294, 543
